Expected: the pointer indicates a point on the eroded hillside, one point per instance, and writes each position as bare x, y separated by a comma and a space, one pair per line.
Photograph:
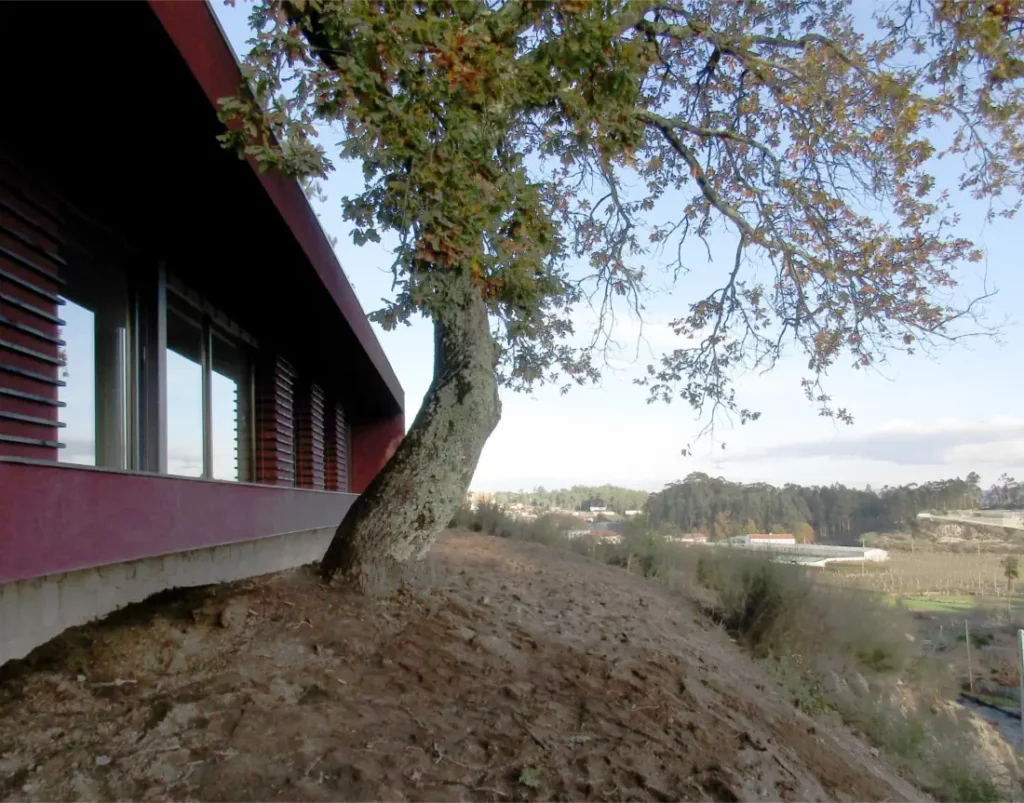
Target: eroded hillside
516, 672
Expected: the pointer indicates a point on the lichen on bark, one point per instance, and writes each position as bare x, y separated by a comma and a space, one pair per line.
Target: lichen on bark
396, 520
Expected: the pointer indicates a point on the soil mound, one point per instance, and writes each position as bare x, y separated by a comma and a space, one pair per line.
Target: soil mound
513, 673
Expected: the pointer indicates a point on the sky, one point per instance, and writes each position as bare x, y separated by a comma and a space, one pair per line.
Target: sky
916, 419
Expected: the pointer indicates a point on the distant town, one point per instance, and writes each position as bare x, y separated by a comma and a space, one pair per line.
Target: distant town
600, 523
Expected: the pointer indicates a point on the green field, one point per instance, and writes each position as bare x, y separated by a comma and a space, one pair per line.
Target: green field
937, 604
958, 603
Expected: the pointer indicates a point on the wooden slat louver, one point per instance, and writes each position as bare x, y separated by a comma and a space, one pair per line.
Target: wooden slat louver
275, 428
336, 449
310, 429
31, 348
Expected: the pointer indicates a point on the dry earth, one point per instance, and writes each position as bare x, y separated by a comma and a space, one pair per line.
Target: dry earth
515, 673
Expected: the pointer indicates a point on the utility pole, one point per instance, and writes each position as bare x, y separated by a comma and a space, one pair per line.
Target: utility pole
1020, 658
970, 673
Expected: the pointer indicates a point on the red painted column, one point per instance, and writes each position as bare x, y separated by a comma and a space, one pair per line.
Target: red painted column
373, 444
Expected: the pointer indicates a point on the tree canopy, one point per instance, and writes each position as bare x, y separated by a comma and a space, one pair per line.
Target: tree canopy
557, 152
833, 513
528, 159
579, 497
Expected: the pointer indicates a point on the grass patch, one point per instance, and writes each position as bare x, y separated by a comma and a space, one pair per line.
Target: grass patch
1007, 702
967, 786
858, 568
958, 604
937, 604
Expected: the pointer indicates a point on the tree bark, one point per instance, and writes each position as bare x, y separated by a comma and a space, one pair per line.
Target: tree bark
399, 516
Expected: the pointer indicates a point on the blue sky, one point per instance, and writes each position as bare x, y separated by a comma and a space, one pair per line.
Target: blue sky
917, 418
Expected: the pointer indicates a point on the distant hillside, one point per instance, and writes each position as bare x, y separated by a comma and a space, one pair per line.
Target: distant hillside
952, 536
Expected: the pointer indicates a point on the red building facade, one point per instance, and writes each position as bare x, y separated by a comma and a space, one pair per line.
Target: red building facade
183, 363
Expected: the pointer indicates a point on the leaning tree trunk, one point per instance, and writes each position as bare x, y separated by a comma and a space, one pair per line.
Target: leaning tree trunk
397, 518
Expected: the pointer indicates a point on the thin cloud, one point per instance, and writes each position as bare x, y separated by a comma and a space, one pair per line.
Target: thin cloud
999, 441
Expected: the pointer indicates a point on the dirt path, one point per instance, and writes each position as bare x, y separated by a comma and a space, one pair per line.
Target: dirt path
522, 674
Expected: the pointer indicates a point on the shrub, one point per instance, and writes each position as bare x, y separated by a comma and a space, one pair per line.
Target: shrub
957, 782
778, 611
491, 519
903, 735
847, 651
488, 518
759, 601
549, 529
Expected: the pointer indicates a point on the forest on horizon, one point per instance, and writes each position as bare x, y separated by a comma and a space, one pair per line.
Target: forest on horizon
833, 513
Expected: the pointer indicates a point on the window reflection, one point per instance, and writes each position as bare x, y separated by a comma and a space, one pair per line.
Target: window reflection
95, 317
231, 411
184, 396
97, 378
79, 394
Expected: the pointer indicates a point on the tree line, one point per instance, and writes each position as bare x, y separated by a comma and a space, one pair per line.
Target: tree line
832, 513
578, 497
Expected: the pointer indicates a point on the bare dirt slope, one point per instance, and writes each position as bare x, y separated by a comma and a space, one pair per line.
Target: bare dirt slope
523, 673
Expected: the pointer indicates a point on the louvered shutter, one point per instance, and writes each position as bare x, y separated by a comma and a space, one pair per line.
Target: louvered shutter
275, 429
30, 345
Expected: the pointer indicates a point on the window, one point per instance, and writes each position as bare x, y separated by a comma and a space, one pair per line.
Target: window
231, 399
185, 441
209, 397
95, 332
79, 392
114, 394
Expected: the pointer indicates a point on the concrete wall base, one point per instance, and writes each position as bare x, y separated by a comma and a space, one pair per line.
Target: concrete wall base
34, 611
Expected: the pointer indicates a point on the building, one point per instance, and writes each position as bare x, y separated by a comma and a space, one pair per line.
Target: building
602, 532
770, 539
631, 513
597, 536
687, 538
224, 398
475, 498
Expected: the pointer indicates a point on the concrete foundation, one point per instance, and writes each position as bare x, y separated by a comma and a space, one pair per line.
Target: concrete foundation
34, 611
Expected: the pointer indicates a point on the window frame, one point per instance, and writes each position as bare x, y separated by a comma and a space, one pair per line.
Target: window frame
196, 310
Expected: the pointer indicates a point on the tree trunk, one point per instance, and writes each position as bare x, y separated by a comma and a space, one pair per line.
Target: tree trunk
415, 495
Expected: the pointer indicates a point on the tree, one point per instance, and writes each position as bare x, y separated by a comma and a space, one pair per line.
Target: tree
804, 533
721, 527
1011, 571
528, 156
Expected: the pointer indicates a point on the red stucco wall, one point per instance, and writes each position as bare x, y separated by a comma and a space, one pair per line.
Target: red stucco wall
58, 518
373, 443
